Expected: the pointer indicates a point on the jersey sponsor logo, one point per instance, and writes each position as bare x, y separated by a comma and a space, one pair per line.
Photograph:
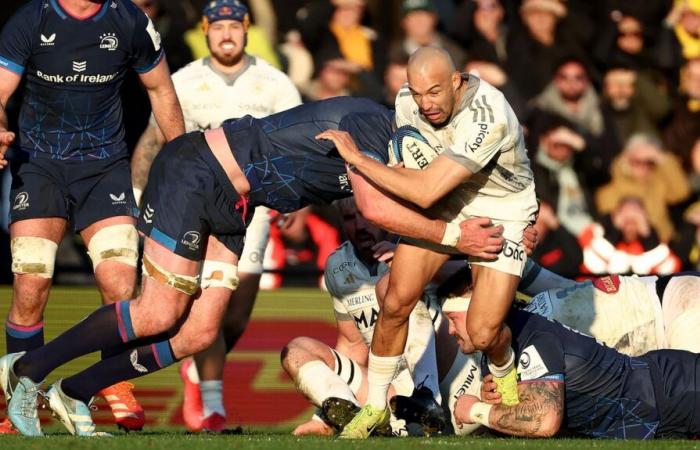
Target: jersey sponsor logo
349, 280
471, 376
362, 322
109, 41
344, 183
513, 250
48, 41
21, 202
541, 304
79, 66
344, 266
480, 137
76, 78
609, 284
191, 240
360, 299
530, 364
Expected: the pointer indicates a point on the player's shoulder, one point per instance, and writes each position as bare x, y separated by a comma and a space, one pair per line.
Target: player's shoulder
341, 257
259, 67
482, 103
193, 69
29, 14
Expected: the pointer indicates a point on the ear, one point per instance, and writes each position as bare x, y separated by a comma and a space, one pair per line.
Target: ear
456, 80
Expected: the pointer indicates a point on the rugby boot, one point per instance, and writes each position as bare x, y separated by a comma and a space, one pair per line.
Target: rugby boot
192, 407
7, 374
22, 407
507, 386
128, 413
420, 408
338, 412
365, 422
7, 428
214, 423
73, 414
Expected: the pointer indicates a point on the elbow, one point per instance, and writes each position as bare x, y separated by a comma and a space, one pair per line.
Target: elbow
550, 425
425, 201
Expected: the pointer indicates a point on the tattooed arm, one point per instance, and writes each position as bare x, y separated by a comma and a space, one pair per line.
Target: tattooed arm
539, 413
147, 148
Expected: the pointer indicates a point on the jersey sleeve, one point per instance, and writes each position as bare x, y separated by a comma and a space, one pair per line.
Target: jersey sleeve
371, 132
339, 309
541, 358
481, 133
16, 42
147, 50
403, 105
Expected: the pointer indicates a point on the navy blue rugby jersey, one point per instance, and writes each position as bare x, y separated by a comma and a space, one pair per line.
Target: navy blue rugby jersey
288, 168
74, 69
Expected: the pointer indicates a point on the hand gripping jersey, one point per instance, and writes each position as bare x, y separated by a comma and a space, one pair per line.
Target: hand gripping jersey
209, 97
74, 69
485, 137
623, 312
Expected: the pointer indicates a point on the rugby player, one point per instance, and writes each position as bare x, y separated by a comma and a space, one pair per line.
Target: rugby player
320, 372
229, 83
482, 170
570, 380
72, 162
197, 202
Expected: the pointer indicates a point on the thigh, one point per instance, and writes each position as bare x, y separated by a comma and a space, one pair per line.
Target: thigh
38, 190
100, 190
492, 296
51, 228
512, 257
411, 270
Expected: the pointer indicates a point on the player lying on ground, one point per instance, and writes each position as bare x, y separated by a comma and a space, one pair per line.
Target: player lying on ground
200, 189
482, 170
321, 372
570, 380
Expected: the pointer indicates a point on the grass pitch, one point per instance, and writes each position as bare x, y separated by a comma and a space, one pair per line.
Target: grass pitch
259, 396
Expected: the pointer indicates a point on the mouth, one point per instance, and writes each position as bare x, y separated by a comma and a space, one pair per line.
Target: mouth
431, 115
227, 46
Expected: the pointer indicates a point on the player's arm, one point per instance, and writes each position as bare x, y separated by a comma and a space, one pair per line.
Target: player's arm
350, 342
164, 102
8, 85
539, 414
478, 237
148, 146
420, 187
537, 279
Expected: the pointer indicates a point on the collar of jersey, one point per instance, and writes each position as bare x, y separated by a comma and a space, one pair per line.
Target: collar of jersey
63, 14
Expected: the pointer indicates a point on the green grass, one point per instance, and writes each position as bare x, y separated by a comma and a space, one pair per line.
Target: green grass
265, 391
263, 441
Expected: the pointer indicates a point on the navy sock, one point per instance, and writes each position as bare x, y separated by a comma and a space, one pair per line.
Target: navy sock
19, 338
130, 364
107, 327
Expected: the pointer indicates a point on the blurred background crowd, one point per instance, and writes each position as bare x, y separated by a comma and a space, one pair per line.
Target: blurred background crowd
608, 92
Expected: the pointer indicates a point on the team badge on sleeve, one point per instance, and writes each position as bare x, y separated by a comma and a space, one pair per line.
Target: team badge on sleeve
530, 364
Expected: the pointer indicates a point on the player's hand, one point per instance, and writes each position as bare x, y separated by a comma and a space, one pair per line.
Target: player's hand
488, 391
313, 428
463, 407
480, 238
6, 138
529, 239
344, 143
383, 251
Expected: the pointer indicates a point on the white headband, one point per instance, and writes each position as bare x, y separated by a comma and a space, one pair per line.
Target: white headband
456, 304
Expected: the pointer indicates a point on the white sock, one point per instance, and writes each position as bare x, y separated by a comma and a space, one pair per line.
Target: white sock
317, 382
192, 373
420, 350
381, 372
212, 397
501, 371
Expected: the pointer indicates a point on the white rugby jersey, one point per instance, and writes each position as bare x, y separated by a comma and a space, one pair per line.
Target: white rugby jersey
485, 137
624, 312
209, 97
351, 285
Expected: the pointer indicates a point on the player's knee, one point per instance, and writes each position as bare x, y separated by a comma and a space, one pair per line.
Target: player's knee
394, 310
186, 284
33, 256
297, 352
115, 243
483, 337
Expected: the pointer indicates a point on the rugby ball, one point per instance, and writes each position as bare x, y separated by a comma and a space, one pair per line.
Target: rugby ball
409, 146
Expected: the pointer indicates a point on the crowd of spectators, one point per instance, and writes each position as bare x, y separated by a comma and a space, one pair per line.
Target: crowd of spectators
608, 92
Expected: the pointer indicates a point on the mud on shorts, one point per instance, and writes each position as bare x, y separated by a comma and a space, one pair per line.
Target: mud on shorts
184, 203
82, 192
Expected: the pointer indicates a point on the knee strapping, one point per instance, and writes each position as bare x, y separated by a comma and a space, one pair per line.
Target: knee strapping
33, 256
117, 243
183, 283
219, 274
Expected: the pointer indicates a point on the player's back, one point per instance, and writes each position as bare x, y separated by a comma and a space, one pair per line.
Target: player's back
607, 394
286, 165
